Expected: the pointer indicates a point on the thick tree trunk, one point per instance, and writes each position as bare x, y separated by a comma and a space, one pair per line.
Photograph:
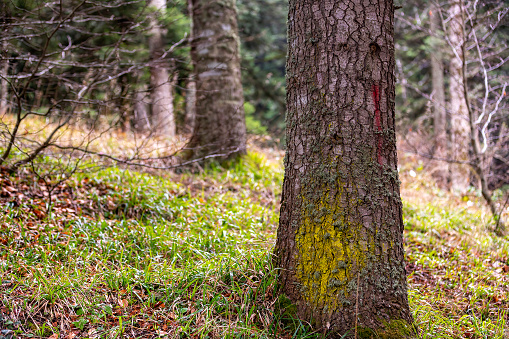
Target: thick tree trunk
160, 82
340, 237
220, 126
460, 137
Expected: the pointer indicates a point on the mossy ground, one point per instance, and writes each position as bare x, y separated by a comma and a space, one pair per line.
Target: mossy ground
128, 254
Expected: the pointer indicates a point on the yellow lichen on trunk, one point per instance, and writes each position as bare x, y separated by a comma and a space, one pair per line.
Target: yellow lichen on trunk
331, 251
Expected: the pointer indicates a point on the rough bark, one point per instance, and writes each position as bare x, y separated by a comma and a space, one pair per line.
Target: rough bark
460, 137
340, 237
220, 126
160, 82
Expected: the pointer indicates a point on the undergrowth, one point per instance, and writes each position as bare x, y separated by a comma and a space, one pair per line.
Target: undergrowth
126, 254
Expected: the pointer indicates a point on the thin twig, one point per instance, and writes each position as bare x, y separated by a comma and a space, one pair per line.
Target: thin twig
357, 304
497, 225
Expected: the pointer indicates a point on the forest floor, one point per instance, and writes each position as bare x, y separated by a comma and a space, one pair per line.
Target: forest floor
119, 253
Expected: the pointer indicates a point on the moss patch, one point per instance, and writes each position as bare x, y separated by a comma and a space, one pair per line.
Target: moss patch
285, 307
397, 329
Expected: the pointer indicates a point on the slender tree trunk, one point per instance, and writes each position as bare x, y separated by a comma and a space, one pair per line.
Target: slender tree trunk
441, 173
190, 103
191, 83
220, 126
477, 161
141, 105
38, 95
340, 237
4, 86
160, 82
437, 77
460, 137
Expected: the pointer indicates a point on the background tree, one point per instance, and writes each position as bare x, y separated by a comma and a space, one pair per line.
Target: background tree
437, 78
340, 240
74, 66
460, 130
440, 145
4, 59
4, 85
160, 83
475, 41
191, 82
219, 124
413, 57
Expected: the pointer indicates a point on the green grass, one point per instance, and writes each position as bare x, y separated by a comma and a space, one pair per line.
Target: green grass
143, 255
459, 282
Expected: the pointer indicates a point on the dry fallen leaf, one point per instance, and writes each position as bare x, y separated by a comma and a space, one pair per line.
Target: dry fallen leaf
123, 302
39, 214
53, 336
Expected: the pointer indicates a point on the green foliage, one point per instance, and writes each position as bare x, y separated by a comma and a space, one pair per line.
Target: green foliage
412, 65
262, 29
253, 126
177, 24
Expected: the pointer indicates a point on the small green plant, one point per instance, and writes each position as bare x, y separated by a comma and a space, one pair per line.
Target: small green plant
80, 323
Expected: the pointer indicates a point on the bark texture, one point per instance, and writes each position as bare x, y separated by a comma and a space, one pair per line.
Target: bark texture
220, 126
340, 237
460, 129
160, 82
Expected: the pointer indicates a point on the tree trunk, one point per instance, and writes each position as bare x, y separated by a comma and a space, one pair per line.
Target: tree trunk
190, 103
161, 88
460, 138
4, 86
437, 77
340, 237
441, 172
191, 83
141, 118
220, 126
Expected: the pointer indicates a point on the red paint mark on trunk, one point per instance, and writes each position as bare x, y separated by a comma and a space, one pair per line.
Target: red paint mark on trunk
378, 122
